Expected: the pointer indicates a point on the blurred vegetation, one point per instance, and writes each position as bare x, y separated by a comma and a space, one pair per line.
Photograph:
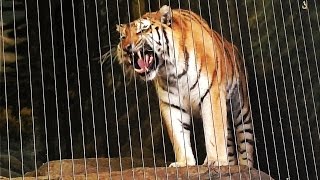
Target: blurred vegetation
79, 102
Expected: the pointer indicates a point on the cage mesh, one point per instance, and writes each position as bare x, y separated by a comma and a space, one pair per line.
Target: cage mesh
69, 109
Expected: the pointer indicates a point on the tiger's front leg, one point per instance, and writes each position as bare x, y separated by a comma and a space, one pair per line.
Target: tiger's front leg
213, 109
177, 122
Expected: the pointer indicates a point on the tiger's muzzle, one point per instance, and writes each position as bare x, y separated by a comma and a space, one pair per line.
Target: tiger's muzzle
143, 60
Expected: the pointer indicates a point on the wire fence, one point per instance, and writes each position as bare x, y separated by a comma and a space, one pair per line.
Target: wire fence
64, 95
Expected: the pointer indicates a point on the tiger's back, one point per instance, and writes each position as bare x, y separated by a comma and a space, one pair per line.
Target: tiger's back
195, 71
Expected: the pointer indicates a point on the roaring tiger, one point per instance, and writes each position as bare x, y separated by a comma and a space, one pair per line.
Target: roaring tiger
195, 72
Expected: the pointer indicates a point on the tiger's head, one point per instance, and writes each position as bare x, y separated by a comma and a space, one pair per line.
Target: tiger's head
144, 42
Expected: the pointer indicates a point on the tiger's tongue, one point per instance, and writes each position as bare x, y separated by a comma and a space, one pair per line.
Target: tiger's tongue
143, 63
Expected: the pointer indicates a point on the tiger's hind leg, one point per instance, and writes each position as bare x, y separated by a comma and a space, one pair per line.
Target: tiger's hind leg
232, 157
241, 118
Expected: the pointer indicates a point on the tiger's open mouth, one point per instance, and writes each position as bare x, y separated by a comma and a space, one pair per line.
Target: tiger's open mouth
144, 61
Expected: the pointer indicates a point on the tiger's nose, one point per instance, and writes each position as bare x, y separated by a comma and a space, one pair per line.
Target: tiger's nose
128, 48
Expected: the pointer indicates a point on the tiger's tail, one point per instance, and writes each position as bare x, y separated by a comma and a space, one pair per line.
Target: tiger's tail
240, 113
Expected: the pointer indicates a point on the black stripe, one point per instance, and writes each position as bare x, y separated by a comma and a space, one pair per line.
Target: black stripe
230, 145
167, 40
205, 94
193, 16
157, 29
194, 85
242, 151
246, 131
230, 154
186, 126
158, 42
244, 117
249, 141
186, 62
174, 106
227, 52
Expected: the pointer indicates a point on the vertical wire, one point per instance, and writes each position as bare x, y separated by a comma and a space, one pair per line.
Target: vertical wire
317, 68
265, 79
314, 49
169, 97
233, 51
149, 113
191, 108
226, 69
183, 131
241, 111
43, 91
248, 90
210, 96
67, 87
206, 60
176, 73
128, 120
31, 92
5, 91
285, 89
301, 79
310, 81
137, 103
318, 24
55, 86
179, 101
102, 84
90, 87
18, 87
137, 99
114, 91
79, 89
114, 98
315, 5
161, 120
256, 83
293, 87
170, 112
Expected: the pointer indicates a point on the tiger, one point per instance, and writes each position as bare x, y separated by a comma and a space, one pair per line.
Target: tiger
196, 73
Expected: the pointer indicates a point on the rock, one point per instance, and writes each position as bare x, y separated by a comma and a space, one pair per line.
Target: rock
148, 172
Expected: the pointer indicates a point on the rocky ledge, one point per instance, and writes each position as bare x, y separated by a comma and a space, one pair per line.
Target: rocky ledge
127, 168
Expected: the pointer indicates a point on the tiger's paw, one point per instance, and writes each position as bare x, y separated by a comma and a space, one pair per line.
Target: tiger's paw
214, 162
181, 164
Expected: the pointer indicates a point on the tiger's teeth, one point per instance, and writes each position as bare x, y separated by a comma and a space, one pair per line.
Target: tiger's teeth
139, 70
139, 54
146, 58
150, 59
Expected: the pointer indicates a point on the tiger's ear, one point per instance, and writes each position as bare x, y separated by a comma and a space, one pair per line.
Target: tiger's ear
166, 16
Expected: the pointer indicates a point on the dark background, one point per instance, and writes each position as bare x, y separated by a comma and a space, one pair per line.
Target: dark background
58, 101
